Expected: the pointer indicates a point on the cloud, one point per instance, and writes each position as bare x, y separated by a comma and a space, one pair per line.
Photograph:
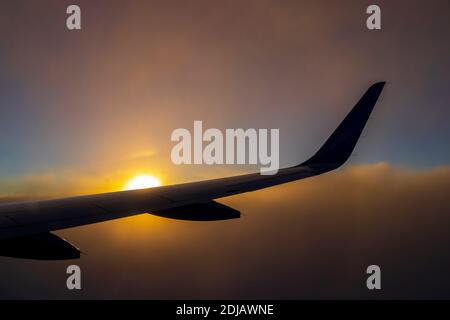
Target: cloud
309, 239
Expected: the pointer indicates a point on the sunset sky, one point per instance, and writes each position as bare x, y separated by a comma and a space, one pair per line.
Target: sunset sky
85, 111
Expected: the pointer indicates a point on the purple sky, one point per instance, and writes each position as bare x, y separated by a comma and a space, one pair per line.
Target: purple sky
138, 70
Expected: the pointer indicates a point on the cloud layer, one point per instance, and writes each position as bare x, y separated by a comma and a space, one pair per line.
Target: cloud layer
308, 239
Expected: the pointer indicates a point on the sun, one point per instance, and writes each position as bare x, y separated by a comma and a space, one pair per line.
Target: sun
142, 182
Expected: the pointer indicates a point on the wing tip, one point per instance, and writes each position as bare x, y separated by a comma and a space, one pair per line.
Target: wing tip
378, 86
339, 146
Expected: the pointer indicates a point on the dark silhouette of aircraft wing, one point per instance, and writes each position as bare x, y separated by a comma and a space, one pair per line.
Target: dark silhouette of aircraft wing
25, 226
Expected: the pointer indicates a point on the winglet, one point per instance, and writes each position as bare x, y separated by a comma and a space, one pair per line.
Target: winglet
339, 146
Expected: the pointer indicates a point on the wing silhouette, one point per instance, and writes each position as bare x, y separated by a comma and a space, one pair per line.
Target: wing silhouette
30, 222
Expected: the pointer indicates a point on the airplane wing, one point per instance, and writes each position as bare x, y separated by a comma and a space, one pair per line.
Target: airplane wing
25, 226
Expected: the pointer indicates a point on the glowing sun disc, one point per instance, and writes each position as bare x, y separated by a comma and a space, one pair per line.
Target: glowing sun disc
142, 182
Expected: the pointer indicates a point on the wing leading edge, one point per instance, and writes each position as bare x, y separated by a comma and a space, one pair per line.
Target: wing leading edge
189, 201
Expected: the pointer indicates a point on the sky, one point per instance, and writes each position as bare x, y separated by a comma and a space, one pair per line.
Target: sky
84, 111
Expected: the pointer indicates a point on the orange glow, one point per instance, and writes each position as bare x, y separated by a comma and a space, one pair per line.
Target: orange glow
142, 182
